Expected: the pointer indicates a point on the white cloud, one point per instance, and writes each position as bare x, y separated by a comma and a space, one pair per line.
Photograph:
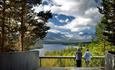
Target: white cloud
66, 20
80, 21
38, 8
54, 31
80, 33
50, 24
55, 27
85, 12
45, 8
62, 21
73, 7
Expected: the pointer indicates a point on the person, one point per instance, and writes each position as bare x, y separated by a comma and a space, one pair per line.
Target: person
87, 57
78, 57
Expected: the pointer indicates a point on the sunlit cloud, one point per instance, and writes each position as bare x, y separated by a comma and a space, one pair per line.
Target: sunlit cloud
85, 12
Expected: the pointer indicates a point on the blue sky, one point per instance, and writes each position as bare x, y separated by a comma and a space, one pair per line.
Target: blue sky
60, 19
73, 19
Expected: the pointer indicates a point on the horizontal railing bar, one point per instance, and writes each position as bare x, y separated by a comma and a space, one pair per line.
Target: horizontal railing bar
67, 57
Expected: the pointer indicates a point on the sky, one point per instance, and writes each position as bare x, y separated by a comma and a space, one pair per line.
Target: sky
72, 19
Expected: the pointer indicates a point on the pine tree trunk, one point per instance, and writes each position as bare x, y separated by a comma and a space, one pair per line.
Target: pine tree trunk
3, 25
22, 26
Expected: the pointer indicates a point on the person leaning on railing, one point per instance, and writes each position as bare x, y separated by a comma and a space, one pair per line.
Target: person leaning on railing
87, 57
78, 57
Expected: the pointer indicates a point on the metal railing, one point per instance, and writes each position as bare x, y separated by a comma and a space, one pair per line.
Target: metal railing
110, 61
68, 61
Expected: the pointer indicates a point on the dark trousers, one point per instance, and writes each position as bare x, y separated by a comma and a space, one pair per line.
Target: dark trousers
78, 63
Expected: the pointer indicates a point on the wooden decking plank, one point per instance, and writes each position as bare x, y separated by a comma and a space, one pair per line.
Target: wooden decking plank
70, 68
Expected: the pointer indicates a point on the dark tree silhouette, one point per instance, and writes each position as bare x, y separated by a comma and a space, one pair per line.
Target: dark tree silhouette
108, 10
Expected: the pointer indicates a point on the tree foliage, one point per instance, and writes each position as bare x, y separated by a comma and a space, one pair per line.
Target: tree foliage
19, 23
99, 30
108, 10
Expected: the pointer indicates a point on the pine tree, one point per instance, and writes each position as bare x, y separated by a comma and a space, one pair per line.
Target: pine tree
99, 30
18, 23
108, 10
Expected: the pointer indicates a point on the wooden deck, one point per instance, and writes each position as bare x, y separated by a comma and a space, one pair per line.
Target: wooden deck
71, 68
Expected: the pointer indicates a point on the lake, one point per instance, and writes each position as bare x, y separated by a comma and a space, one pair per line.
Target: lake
52, 47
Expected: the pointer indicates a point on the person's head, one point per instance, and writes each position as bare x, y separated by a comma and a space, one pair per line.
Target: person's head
79, 49
87, 50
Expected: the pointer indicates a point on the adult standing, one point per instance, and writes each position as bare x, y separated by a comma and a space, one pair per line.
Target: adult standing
78, 56
87, 57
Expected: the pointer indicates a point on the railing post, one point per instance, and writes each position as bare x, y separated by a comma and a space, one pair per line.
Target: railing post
110, 61
40, 62
60, 62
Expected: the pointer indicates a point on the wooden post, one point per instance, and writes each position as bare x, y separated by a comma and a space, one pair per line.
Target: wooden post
104, 44
40, 62
60, 60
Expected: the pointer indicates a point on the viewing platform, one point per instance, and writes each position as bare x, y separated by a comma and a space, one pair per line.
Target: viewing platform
71, 68
32, 61
64, 67
69, 61
107, 63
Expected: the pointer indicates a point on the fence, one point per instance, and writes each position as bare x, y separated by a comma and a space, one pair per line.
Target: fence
68, 61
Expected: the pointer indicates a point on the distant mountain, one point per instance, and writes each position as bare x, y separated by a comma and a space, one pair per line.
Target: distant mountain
55, 37
63, 38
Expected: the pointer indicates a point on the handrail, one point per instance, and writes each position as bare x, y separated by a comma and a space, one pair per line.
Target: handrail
66, 57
